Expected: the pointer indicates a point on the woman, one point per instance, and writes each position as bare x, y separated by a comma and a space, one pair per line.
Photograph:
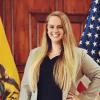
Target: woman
53, 69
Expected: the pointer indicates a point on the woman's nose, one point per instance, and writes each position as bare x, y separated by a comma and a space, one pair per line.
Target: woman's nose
55, 29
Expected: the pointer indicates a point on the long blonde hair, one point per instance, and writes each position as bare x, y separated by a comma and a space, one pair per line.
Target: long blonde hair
66, 66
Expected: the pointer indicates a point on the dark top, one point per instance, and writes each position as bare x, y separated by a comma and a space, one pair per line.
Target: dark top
47, 88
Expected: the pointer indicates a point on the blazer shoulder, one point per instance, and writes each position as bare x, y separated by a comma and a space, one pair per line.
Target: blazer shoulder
35, 50
81, 51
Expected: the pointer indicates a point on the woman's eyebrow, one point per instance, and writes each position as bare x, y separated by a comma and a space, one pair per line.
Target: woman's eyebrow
59, 25
54, 25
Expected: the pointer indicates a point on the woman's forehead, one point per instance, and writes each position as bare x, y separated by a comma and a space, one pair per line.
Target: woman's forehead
54, 20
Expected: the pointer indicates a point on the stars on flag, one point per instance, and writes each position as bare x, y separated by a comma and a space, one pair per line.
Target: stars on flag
93, 18
98, 27
87, 43
89, 34
99, 19
99, 52
96, 35
80, 42
98, 60
95, 9
90, 38
93, 52
95, 44
96, 1
91, 26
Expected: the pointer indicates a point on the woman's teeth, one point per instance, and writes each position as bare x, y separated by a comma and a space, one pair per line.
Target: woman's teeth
55, 35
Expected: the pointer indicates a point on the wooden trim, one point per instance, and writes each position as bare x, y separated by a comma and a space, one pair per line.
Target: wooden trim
79, 18
12, 26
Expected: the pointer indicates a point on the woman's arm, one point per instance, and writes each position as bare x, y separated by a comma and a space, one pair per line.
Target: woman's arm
25, 92
92, 70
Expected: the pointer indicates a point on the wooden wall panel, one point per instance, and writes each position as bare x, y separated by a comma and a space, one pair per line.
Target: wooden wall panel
77, 31
40, 27
59, 5
1, 8
76, 6
8, 6
21, 32
32, 31
43, 5
38, 20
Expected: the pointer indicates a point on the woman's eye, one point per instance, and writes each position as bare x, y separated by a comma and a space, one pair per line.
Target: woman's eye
51, 27
60, 27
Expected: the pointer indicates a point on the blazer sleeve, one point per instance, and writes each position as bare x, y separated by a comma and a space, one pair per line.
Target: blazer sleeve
92, 70
25, 93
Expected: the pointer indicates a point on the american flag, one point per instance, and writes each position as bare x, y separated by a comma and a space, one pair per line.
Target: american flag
90, 39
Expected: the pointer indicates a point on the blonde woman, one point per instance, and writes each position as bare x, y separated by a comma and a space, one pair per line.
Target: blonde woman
53, 69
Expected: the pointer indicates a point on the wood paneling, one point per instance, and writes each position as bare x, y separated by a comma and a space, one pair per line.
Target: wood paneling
60, 5
21, 32
8, 6
77, 31
1, 8
43, 5
40, 27
76, 6
24, 21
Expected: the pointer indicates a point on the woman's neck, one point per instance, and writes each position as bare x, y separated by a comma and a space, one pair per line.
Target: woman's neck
55, 50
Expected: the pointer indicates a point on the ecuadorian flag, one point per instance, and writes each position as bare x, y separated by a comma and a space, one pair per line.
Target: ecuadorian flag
9, 79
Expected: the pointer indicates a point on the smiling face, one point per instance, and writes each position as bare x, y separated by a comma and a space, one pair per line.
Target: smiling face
55, 29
